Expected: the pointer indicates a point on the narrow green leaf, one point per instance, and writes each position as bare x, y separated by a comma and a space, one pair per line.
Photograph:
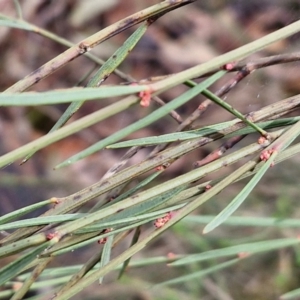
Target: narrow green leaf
121, 177
135, 239
46, 283
22, 244
247, 221
137, 187
199, 274
295, 294
150, 13
127, 253
267, 125
105, 70
67, 95
15, 24
172, 137
170, 187
143, 218
239, 199
41, 221
13, 269
250, 248
118, 57
229, 108
152, 117
286, 138
61, 133
141, 244
27, 284
288, 153
62, 274
68, 113
233, 111
6, 294
106, 252
131, 211
62, 249
70, 270
22, 211
280, 144
204, 131
132, 221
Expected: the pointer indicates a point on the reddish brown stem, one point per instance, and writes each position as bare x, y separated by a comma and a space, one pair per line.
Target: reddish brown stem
219, 152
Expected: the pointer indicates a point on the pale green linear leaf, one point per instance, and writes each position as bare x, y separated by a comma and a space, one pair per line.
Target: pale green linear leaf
134, 240
214, 98
105, 70
22, 244
239, 199
295, 294
67, 95
70, 247
134, 189
133, 210
133, 221
22, 211
199, 274
172, 137
6, 294
207, 130
16, 266
47, 282
172, 184
267, 125
61, 133
41, 221
250, 248
152, 117
147, 217
233, 111
27, 284
106, 252
246, 221
64, 274
281, 143
14, 24
187, 209
129, 220
70, 270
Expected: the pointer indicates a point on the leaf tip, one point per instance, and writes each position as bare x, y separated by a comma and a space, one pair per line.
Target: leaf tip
205, 230
63, 164
208, 229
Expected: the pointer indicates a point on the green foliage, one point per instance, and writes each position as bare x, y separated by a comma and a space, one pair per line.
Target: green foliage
68, 225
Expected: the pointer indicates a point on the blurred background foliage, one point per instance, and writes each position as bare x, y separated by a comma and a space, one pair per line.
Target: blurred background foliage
181, 39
